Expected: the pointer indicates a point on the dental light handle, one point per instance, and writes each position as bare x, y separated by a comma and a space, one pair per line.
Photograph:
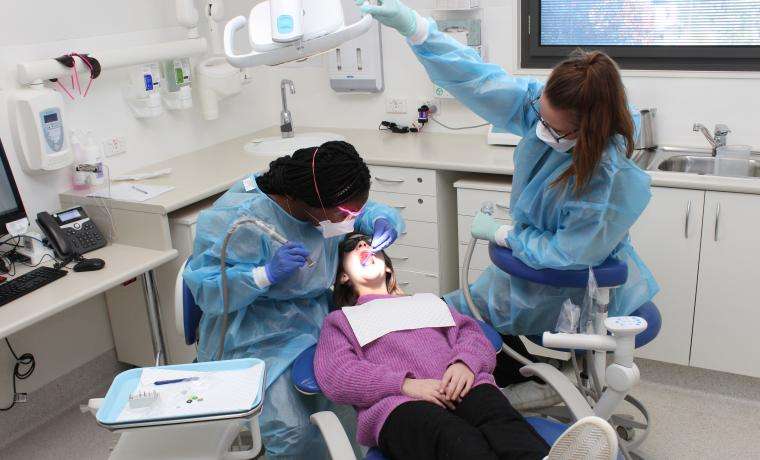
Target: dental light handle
287, 20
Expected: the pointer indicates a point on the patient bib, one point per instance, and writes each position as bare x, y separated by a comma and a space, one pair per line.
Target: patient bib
376, 318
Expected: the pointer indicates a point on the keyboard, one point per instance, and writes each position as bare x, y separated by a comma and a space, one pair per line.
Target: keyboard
28, 282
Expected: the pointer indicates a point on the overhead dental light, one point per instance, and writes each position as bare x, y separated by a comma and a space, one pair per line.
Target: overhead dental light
281, 31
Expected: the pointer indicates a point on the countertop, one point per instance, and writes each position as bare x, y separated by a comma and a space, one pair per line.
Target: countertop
212, 170
122, 264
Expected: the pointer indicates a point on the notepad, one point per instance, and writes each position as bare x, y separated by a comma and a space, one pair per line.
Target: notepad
376, 318
131, 192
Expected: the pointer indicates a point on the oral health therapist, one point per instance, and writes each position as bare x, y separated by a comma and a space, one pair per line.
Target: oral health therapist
276, 302
575, 192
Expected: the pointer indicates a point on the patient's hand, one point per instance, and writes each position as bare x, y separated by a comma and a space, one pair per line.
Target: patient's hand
456, 382
426, 390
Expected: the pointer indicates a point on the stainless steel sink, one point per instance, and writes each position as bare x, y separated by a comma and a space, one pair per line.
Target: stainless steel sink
732, 167
697, 161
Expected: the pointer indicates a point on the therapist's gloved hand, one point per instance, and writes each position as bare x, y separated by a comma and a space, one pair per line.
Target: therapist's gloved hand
286, 261
392, 13
485, 227
383, 235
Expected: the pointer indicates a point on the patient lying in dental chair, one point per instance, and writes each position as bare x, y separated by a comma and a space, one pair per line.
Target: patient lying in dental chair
426, 392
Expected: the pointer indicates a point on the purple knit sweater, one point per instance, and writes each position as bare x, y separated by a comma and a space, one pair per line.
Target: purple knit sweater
370, 378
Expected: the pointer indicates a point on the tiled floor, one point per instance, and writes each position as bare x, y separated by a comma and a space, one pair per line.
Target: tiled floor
687, 424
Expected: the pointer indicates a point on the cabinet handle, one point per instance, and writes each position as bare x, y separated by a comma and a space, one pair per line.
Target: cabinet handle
404, 283
431, 275
399, 258
404, 232
392, 181
717, 221
688, 218
501, 206
400, 208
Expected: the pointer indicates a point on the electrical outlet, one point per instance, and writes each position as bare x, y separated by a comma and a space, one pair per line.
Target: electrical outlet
115, 146
395, 105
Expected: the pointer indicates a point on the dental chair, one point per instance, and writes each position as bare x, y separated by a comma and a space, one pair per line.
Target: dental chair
599, 390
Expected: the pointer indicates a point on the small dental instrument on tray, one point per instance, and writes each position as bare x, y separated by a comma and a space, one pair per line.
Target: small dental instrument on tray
167, 382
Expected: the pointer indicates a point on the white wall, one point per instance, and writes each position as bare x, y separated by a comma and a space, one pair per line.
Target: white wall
680, 101
46, 28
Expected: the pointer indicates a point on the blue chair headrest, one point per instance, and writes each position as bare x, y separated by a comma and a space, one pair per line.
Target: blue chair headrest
609, 274
191, 317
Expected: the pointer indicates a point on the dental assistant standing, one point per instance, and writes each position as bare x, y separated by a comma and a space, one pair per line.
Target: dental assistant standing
276, 302
575, 192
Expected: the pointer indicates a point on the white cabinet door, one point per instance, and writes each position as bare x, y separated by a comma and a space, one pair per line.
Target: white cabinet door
667, 237
727, 315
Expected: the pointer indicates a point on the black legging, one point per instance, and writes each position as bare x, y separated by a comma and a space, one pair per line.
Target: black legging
484, 426
507, 369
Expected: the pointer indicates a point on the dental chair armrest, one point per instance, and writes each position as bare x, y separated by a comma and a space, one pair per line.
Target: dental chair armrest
334, 435
572, 398
579, 341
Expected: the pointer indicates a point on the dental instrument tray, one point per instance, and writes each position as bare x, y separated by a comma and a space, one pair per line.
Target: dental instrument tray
183, 399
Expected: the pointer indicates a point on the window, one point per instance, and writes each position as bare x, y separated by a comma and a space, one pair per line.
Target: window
645, 34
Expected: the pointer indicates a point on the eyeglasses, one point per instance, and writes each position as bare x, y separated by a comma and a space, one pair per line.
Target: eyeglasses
350, 243
553, 132
349, 212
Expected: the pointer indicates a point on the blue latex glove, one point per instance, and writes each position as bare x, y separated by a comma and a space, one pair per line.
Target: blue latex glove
392, 13
286, 261
484, 227
384, 234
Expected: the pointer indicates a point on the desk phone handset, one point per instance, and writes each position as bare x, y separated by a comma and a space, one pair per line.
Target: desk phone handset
71, 233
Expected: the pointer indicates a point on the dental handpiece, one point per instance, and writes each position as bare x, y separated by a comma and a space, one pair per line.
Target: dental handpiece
272, 233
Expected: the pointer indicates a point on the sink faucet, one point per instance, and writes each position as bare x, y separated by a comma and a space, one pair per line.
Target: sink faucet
286, 119
717, 140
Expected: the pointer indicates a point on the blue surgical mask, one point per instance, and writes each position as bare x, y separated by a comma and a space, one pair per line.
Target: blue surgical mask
563, 145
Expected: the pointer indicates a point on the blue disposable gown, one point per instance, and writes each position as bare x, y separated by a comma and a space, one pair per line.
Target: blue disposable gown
553, 228
275, 323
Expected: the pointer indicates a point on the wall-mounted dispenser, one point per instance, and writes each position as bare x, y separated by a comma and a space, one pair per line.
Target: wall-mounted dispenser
357, 65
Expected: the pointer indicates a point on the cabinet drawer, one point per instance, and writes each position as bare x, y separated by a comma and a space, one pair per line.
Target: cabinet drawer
403, 180
417, 282
480, 258
469, 202
412, 207
419, 234
465, 222
413, 258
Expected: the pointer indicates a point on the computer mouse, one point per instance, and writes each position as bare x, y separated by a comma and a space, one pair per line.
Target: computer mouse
89, 265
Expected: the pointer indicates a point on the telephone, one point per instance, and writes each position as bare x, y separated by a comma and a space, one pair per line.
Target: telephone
71, 233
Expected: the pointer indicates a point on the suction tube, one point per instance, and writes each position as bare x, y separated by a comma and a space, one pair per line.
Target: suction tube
223, 268
464, 284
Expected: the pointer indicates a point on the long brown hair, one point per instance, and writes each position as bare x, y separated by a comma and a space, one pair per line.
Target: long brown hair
344, 294
589, 85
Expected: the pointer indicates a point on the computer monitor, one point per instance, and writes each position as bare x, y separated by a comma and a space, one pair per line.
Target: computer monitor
11, 206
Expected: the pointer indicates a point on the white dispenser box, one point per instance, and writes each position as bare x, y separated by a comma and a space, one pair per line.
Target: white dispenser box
357, 65
39, 133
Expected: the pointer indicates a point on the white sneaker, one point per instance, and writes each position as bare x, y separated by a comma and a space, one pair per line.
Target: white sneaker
590, 438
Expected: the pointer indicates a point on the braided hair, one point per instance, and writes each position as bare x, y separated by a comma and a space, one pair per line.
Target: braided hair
341, 175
